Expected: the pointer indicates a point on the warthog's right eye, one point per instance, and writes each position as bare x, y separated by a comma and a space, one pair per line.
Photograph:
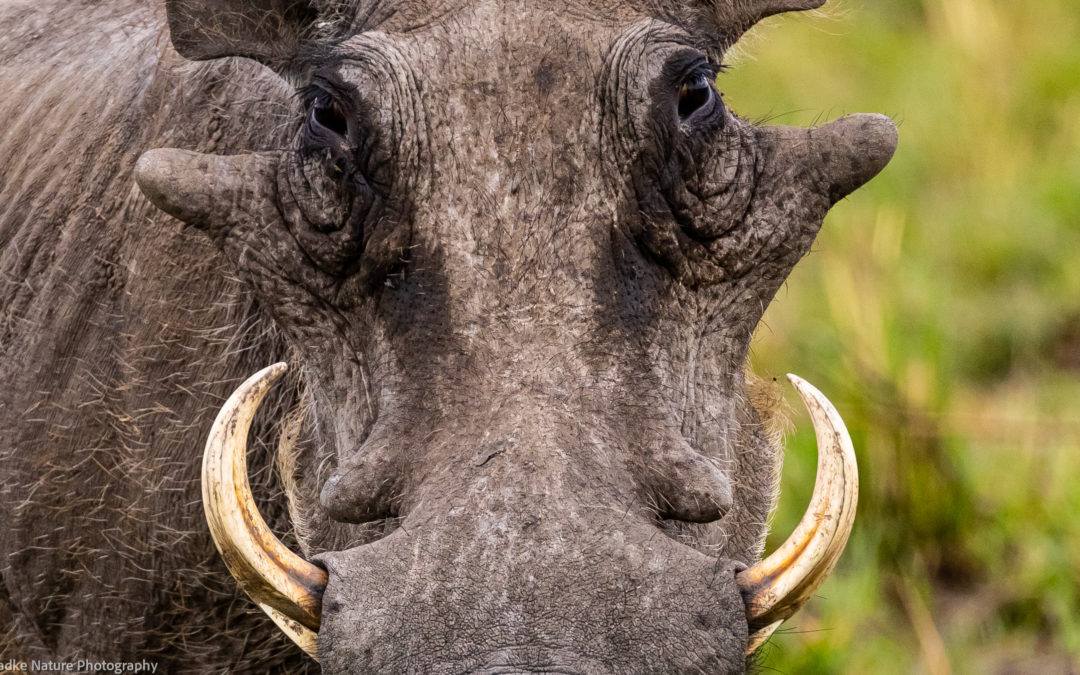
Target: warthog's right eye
326, 123
328, 115
326, 195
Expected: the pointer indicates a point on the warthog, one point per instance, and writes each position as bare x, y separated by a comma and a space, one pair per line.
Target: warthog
512, 255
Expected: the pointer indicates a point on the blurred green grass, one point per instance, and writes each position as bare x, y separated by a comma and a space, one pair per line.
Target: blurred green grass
940, 310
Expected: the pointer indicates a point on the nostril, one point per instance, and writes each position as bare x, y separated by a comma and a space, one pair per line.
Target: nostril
688, 486
363, 488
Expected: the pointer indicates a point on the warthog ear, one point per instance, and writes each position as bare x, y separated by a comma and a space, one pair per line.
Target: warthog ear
723, 22
734, 17
273, 32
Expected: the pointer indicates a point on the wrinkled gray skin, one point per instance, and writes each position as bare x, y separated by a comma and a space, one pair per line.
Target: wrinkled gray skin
518, 293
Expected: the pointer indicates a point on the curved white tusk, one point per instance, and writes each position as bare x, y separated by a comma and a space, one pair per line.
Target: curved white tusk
779, 585
284, 585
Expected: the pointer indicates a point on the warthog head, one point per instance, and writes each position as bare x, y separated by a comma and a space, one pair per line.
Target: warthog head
520, 248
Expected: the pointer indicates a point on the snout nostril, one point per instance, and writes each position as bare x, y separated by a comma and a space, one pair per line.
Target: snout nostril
689, 486
694, 512
363, 489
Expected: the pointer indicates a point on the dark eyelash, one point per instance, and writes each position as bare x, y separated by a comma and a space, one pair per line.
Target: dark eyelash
311, 93
709, 69
688, 64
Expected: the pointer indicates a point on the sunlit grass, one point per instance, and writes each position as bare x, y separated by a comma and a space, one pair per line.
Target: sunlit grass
940, 310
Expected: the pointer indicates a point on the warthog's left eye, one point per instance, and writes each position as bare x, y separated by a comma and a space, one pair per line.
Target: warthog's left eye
696, 93
696, 106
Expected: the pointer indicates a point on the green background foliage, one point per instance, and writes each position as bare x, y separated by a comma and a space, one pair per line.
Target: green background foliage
940, 311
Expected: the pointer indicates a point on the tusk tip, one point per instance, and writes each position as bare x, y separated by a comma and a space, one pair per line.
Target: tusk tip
278, 369
801, 385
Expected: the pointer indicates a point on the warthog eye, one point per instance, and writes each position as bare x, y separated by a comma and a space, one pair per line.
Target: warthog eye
328, 114
696, 93
326, 122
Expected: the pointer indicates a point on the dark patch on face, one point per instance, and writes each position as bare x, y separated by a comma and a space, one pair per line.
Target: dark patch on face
544, 77
412, 303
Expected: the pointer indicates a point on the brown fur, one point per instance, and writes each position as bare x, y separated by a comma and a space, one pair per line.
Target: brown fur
119, 336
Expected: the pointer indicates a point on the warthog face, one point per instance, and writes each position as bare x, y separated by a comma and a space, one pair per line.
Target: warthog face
520, 248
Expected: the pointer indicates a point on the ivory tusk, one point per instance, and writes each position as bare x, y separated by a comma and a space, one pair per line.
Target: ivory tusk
779, 585
284, 585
